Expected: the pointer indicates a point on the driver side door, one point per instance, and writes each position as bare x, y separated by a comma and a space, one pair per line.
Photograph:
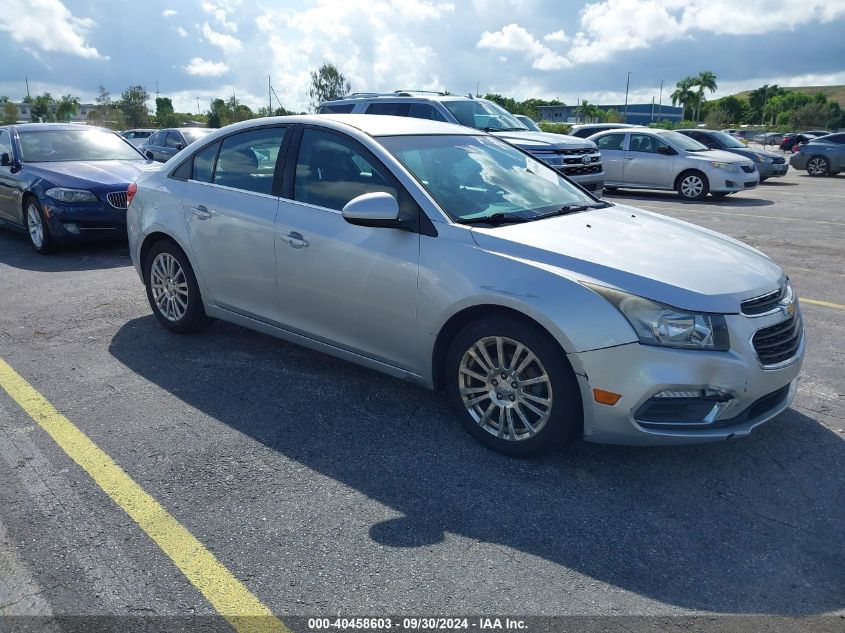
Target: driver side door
645, 165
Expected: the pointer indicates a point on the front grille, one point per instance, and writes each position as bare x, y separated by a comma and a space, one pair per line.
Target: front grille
750, 185
748, 169
592, 186
761, 305
570, 152
778, 343
582, 171
778, 160
117, 199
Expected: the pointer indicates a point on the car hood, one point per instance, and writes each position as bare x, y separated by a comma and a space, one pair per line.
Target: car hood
749, 153
529, 140
643, 253
111, 173
718, 154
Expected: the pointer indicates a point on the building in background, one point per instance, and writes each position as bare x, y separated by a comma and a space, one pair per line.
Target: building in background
638, 113
81, 116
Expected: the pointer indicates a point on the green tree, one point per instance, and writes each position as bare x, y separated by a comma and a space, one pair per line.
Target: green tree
219, 114
327, 82
68, 106
10, 112
40, 108
165, 115
684, 95
133, 104
612, 116
705, 80
717, 118
4, 99
587, 112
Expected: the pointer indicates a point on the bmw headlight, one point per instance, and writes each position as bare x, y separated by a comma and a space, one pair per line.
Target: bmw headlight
759, 158
659, 324
63, 194
726, 166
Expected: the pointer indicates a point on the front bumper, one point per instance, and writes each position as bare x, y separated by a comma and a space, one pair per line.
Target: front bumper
798, 161
594, 183
71, 222
772, 170
723, 181
639, 372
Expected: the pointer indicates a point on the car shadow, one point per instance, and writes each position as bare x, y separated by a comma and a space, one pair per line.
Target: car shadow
751, 526
774, 182
732, 200
17, 251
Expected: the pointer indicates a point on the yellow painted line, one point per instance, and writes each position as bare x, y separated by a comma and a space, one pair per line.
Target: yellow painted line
229, 597
826, 304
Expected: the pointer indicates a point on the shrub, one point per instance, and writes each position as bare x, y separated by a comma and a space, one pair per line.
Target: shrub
555, 128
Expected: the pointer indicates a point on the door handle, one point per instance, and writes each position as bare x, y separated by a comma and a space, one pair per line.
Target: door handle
296, 240
202, 212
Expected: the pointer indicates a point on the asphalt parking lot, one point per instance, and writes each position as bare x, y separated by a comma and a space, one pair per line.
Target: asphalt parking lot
329, 489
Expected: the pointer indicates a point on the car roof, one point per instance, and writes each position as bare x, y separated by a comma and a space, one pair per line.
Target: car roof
369, 124
27, 127
609, 126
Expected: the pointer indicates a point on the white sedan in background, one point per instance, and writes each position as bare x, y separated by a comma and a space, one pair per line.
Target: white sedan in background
642, 158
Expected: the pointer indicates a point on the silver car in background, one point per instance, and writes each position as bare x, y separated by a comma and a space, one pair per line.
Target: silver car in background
445, 256
641, 158
822, 156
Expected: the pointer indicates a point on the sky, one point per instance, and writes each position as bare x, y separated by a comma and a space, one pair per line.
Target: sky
564, 49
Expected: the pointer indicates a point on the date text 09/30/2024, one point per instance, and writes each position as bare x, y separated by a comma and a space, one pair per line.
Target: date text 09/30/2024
415, 624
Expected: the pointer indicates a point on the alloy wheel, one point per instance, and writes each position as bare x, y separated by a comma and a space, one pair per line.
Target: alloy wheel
505, 388
817, 166
35, 226
169, 287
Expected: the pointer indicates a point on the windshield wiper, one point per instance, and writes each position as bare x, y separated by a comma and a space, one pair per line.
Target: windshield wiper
572, 208
496, 219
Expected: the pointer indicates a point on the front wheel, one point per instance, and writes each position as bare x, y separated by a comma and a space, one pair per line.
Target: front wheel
172, 289
512, 387
38, 228
818, 166
692, 185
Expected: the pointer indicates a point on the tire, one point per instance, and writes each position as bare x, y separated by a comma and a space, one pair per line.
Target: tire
692, 185
172, 289
530, 419
38, 228
818, 166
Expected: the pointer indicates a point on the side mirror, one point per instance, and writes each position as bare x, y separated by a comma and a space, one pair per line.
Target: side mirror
711, 145
179, 147
377, 209
5, 160
665, 149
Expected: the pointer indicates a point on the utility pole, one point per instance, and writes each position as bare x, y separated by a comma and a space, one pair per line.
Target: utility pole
627, 84
660, 101
269, 97
652, 108
477, 86
156, 89
763, 109
26, 79
198, 106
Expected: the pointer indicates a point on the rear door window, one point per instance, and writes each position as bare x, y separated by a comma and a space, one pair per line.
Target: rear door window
203, 169
174, 140
392, 109
248, 160
611, 141
339, 108
424, 111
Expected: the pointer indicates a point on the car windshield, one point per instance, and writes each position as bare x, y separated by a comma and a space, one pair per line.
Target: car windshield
483, 115
474, 178
192, 134
48, 146
728, 140
681, 141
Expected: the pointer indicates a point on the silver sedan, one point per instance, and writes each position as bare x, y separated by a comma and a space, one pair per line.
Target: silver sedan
442, 255
641, 158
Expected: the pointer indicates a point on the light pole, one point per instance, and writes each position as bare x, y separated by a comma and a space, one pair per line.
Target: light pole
627, 84
660, 101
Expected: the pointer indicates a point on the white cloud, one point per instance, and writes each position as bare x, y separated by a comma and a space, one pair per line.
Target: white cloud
182, 32
221, 12
516, 38
556, 36
227, 43
612, 26
48, 26
167, 13
205, 68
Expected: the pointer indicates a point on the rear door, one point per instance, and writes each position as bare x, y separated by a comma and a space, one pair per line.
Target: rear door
230, 208
173, 143
613, 155
8, 182
644, 165
352, 286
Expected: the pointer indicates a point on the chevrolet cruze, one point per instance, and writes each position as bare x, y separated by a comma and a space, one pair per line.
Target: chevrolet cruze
445, 256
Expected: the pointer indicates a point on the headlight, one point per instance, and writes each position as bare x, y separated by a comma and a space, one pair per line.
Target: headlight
759, 158
659, 324
71, 195
725, 166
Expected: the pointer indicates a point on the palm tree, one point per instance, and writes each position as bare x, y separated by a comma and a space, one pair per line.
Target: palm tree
588, 112
705, 79
683, 94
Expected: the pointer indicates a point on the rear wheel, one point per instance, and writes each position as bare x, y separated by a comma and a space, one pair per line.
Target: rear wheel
38, 228
692, 185
172, 289
512, 387
818, 166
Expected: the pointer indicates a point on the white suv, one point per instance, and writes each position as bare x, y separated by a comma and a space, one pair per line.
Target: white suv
576, 158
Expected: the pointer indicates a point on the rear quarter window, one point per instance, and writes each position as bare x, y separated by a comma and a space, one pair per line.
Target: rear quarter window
339, 108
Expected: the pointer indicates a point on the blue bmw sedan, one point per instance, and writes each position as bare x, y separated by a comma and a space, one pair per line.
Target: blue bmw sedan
63, 183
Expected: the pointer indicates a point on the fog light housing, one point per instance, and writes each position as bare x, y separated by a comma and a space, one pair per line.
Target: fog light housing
683, 407
70, 227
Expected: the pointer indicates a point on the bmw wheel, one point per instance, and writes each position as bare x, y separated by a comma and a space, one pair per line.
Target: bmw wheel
512, 387
172, 289
38, 228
